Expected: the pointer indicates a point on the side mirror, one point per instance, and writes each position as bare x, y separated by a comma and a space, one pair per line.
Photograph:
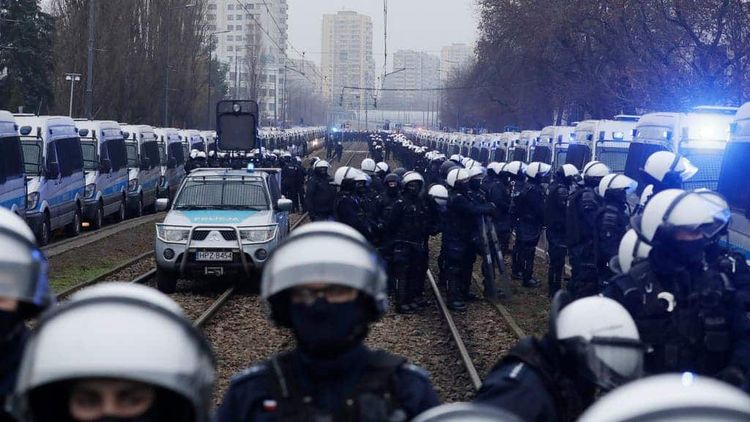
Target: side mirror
105, 166
52, 171
171, 163
162, 204
25, 130
284, 205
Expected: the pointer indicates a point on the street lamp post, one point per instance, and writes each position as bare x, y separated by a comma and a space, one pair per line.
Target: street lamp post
167, 67
73, 78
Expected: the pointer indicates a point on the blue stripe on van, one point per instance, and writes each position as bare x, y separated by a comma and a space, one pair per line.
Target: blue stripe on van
64, 197
116, 188
20, 202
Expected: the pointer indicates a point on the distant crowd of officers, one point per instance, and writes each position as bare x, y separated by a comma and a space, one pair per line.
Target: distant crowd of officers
654, 321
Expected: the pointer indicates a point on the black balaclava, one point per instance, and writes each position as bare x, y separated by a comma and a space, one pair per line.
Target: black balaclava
325, 330
413, 189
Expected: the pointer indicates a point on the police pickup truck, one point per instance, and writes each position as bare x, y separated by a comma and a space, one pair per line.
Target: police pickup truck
221, 222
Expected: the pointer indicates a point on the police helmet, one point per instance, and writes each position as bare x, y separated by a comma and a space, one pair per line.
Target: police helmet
412, 177
616, 182
475, 170
465, 161
456, 158
400, 171
457, 175
672, 397
537, 170
674, 209
194, 154
668, 169
345, 173
321, 164
437, 156
368, 165
439, 194
515, 168
466, 412
382, 167
323, 252
593, 172
568, 172
600, 337
116, 331
23, 267
631, 249
646, 195
495, 168
446, 167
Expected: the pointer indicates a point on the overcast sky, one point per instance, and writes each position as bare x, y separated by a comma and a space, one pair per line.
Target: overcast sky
424, 25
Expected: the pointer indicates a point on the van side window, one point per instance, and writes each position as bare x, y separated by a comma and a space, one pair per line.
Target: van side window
70, 156
118, 153
151, 151
11, 158
51, 152
273, 186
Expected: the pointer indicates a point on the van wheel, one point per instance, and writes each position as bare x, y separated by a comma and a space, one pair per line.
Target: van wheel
166, 281
45, 233
74, 228
98, 218
120, 216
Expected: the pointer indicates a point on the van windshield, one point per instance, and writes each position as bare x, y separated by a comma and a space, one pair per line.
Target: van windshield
32, 157
90, 159
222, 194
653, 133
132, 148
11, 158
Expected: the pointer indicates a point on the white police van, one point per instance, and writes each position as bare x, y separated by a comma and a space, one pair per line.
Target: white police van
12, 172
54, 169
221, 222
144, 168
172, 158
105, 161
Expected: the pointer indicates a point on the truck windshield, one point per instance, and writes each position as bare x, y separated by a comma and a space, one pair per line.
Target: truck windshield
90, 159
32, 157
132, 148
222, 195
11, 158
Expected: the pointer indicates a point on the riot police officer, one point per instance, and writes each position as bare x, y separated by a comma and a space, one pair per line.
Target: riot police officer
565, 179
320, 194
385, 203
631, 250
292, 179
408, 228
592, 344
496, 187
324, 285
370, 168
463, 412
349, 208
115, 352
665, 170
24, 293
530, 213
690, 315
582, 207
339, 151
611, 220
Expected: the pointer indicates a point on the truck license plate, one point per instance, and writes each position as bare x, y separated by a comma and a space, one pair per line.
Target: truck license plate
213, 256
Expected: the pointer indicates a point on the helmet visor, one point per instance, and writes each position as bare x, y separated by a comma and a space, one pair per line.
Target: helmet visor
607, 362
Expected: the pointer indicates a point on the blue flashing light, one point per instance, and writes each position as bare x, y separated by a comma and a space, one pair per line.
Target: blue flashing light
687, 379
618, 136
251, 168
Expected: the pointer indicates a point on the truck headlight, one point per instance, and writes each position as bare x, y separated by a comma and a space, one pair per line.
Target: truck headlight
257, 234
32, 200
133, 185
172, 234
90, 190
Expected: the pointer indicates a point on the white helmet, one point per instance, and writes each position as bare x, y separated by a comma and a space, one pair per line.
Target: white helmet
646, 195
117, 331
465, 161
462, 412
515, 168
323, 252
593, 171
601, 337
668, 168
537, 169
439, 194
382, 167
672, 397
368, 165
412, 176
495, 167
457, 175
632, 248
475, 170
193, 153
23, 267
675, 208
569, 170
614, 181
321, 164
456, 158
344, 173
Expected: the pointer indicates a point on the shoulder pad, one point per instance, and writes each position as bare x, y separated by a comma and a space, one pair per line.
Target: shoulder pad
416, 370
250, 373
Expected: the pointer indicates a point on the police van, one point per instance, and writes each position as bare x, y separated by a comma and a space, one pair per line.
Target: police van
602, 140
53, 162
144, 168
221, 222
734, 183
551, 146
12, 172
105, 160
172, 159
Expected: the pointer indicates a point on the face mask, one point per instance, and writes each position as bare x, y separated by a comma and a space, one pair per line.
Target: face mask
689, 252
9, 322
475, 184
328, 329
412, 189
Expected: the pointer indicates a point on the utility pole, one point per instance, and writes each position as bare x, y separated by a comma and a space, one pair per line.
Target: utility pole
73, 78
89, 97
